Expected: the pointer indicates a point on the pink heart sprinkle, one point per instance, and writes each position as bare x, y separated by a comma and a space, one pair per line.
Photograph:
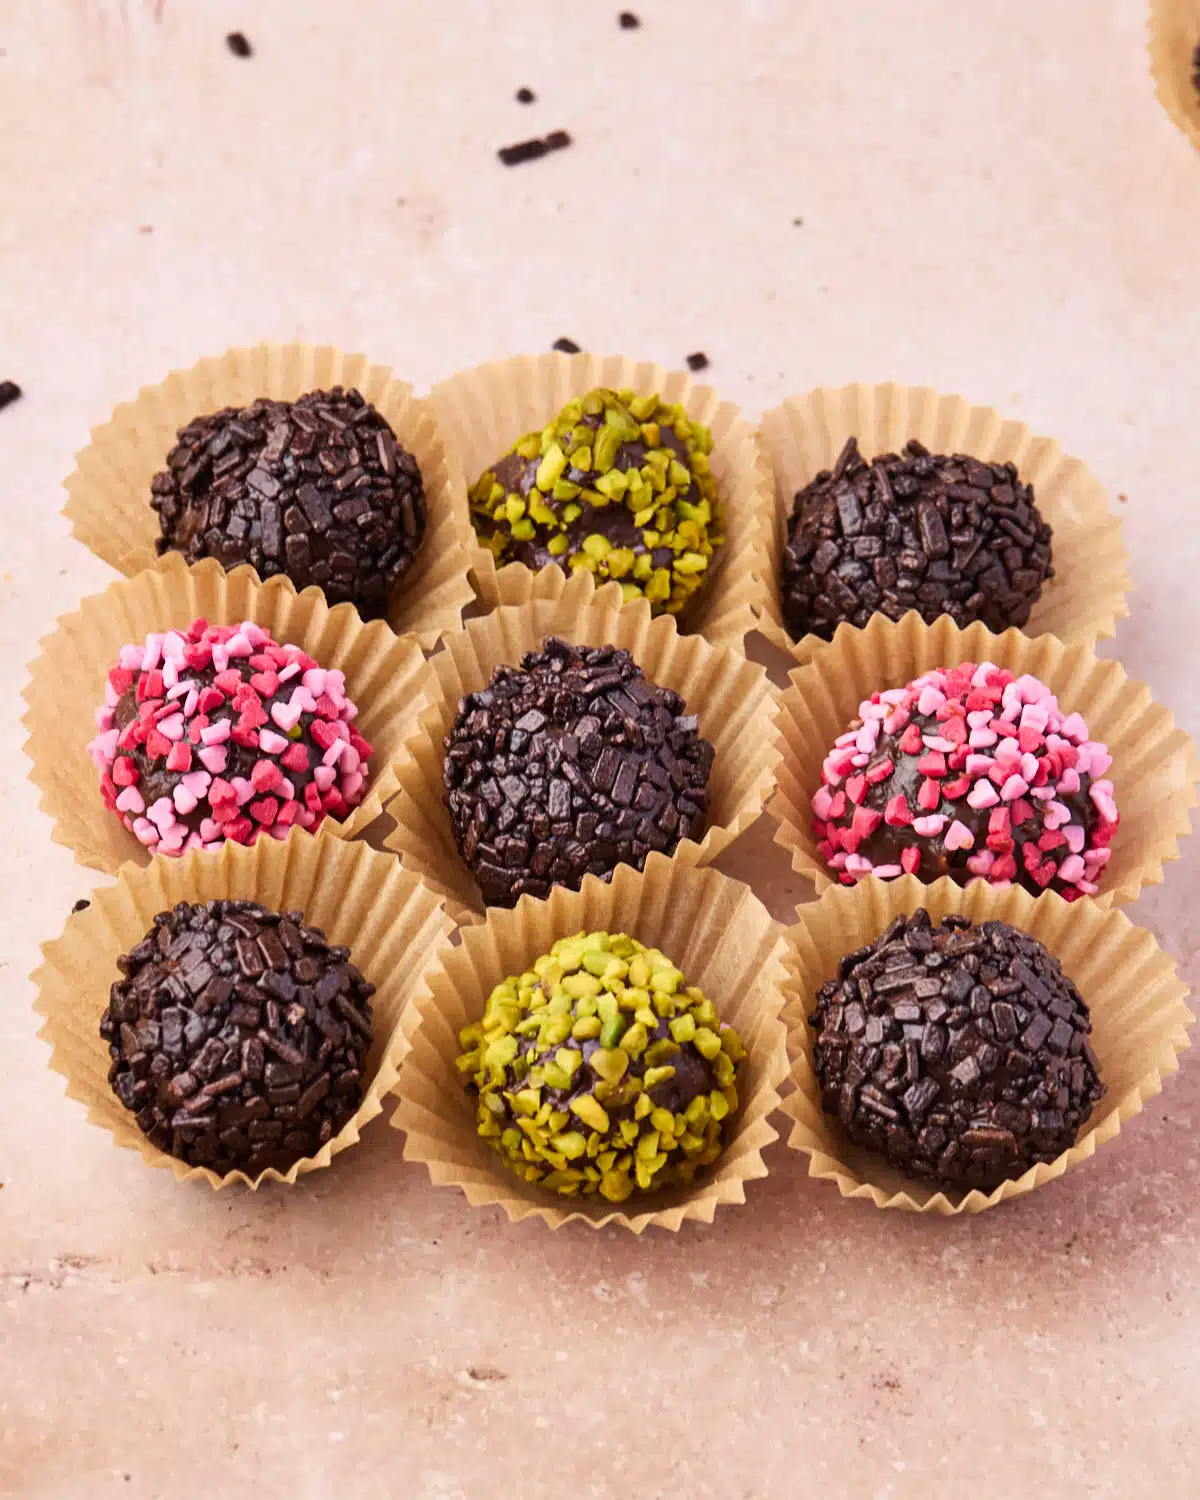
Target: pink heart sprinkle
286, 715
184, 801
958, 836
218, 733
131, 801
324, 777
214, 758
1014, 787
197, 782
1071, 869
887, 872
929, 827
983, 794
271, 743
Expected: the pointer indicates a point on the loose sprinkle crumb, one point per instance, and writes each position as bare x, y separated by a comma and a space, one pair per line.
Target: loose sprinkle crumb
10, 391
565, 346
525, 96
81, 905
238, 45
797, 223
697, 361
628, 21
1124, 499
533, 150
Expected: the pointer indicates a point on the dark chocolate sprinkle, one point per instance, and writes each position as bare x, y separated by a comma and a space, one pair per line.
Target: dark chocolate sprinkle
10, 391
565, 346
970, 1104
525, 96
218, 1069
532, 150
628, 21
238, 45
697, 361
569, 765
81, 905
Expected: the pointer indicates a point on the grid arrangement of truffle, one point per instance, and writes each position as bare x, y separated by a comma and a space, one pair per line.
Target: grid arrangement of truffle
567, 765
960, 1053
238, 1036
317, 488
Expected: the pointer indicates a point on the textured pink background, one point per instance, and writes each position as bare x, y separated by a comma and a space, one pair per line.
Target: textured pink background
992, 203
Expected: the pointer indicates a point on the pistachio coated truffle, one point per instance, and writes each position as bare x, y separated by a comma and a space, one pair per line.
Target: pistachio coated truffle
618, 485
317, 488
971, 772
601, 1071
960, 1053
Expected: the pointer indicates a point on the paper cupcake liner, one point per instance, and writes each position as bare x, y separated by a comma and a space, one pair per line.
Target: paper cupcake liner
1136, 1000
394, 926
1154, 770
482, 412
711, 927
732, 697
386, 676
108, 502
1081, 603
1174, 38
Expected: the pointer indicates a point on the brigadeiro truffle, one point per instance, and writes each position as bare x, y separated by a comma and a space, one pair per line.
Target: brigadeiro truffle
568, 765
218, 732
601, 1071
959, 1052
238, 1036
618, 485
973, 773
918, 530
317, 488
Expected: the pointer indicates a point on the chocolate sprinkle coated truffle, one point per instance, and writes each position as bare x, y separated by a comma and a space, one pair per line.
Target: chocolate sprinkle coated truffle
600, 1071
569, 765
317, 488
959, 1052
972, 773
238, 1036
618, 485
918, 530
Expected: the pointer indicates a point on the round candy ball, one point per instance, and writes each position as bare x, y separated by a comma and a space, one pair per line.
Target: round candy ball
218, 732
568, 765
944, 535
317, 488
960, 1053
618, 485
601, 1071
973, 773
238, 1036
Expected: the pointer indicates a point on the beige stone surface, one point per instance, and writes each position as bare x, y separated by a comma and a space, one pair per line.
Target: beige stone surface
991, 202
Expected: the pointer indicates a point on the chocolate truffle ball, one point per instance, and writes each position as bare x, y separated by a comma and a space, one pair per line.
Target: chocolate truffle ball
600, 1071
918, 530
569, 765
238, 1036
317, 488
618, 485
217, 732
960, 1053
972, 773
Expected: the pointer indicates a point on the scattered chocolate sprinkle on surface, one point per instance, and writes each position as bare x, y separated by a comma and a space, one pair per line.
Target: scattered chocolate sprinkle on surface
535, 149
525, 96
319, 489
941, 534
697, 361
81, 905
238, 45
238, 1036
10, 391
565, 346
568, 765
960, 1053
628, 21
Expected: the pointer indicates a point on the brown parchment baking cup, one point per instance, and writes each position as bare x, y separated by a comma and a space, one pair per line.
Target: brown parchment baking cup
713, 928
482, 412
386, 676
1154, 770
108, 493
394, 926
1135, 997
1085, 598
1174, 42
731, 696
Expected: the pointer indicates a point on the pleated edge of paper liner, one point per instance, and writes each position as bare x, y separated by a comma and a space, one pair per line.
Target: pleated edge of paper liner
452, 1153
722, 612
1172, 49
417, 801
817, 1135
920, 647
108, 490
213, 593
73, 963
1104, 538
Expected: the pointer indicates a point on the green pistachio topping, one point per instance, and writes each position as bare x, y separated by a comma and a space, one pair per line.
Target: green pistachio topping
600, 1071
617, 485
